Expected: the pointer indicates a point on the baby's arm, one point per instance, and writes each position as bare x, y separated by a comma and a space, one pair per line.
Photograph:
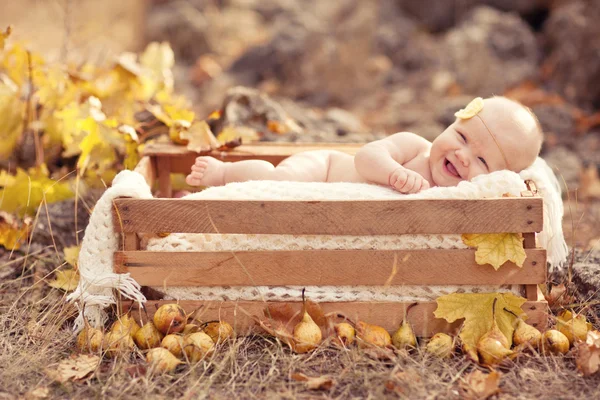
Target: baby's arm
382, 161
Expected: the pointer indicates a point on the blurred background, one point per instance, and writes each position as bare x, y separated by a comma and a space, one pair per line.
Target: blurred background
350, 70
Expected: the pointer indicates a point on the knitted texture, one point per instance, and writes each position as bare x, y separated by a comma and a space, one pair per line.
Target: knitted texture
94, 292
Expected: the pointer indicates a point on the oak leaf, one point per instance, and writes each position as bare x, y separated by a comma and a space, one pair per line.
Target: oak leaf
66, 280
74, 368
477, 311
496, 248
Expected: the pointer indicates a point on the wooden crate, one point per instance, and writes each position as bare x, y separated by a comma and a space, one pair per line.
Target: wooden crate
322, 267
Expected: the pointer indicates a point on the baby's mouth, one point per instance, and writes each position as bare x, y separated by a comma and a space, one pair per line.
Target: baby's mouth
451, 169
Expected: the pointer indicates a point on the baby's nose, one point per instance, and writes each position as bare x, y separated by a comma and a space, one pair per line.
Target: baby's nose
462, 157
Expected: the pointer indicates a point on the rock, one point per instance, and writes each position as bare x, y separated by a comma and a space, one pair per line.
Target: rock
566, 165
557, 122
437, 15
586, 276
588, 148
572, 33
491, 43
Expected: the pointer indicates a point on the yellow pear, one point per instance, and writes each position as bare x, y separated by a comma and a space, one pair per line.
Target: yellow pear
525, 333
125, 323
148, 337
197, 346
440, 345
173, 343
117, 343
372, 335
493, 346
190, 328
345, 333
219, 331
162, 360
90, 339
404, 336
170, 318
554, 342
574, 327
307, 334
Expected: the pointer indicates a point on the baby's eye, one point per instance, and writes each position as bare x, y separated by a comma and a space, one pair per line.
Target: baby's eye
483, 161
463, 137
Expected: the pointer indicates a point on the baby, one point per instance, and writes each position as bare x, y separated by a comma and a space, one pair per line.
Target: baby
488, 135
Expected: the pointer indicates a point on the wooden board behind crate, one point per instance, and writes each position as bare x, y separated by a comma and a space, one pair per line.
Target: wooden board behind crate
386, 314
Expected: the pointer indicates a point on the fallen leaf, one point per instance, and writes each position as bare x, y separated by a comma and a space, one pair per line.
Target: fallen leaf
284, 313
38, 393
12, 233
477, 311
588, 354
66, 280
244, 133
72, 255
479, 385
558, 296
496, 248
315, 383
74, 368
200, 138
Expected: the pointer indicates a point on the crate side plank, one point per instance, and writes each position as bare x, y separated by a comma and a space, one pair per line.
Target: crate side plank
351, 217
325, 267
385, 314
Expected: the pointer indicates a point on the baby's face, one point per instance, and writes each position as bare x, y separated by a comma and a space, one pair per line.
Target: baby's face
502, 136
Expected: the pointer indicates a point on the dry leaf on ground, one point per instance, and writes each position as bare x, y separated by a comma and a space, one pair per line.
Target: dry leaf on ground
38, 393
477, 310
496, 248
74, 368
12, 234
315, 383
71, 255
558, 296
66, 280
588, 354
479, 385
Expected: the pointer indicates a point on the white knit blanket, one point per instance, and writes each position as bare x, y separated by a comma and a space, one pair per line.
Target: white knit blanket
96, 256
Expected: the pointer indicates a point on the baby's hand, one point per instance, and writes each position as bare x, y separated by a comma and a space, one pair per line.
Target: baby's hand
407, 181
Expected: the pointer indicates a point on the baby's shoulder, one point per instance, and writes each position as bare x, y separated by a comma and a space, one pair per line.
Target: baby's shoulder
410, 139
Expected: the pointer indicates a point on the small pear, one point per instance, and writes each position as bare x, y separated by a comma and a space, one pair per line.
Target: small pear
162, 360
197, 346
493, 346
344, 333
307, 334
190, 328
525, 333
440, 345
574, 327
554, 342
117, 343
170, 318
219, 331
125, 323
404, 336
372, 335
173, 343
90, 340
148, 337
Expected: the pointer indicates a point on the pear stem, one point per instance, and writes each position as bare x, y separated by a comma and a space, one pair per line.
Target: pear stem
510, 312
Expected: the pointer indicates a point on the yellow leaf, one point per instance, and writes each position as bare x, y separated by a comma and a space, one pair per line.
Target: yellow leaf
230, 133
200, 137
471, 110
3, 36
496, 248
476, 309
159, 59
71, 255
15, 63
12, 112
11, 234
66, 280
73, 368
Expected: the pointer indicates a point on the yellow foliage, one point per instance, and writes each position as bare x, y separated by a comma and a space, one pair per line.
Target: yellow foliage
26, 191
72, 255
200, 137
12, 112
477, 310
230, 133
66, 280
12, 236
496, 248
3, 36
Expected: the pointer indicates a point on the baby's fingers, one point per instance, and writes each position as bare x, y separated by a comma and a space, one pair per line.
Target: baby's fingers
409, 184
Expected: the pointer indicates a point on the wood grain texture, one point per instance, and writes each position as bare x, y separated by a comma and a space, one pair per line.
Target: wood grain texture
356, 217
163, 166
131, 242
386, 314
325, 267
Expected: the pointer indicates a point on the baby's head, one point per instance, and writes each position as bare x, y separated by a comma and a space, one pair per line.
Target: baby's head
488, 135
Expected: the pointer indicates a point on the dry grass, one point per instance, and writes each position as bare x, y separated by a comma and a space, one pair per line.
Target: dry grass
36, 333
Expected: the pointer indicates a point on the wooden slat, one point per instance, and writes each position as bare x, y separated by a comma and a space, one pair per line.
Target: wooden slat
146, 168
163, 166
131, 242
325, 267
182, 159
385, 314
356, 217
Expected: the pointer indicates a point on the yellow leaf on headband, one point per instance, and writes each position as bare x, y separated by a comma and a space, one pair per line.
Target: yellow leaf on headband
471, 110
496, 248
66, 280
